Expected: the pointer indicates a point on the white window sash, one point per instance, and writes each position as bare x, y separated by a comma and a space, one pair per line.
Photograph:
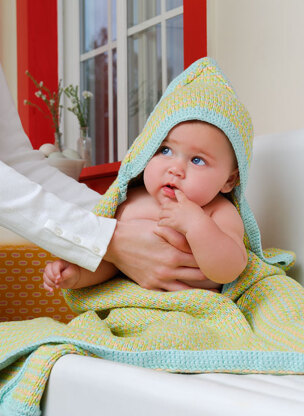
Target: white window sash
70, 58
122, 78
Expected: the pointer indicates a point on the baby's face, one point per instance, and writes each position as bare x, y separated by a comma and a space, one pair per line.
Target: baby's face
196, 158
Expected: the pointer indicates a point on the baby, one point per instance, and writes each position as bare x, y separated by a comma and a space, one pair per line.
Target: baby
184, 187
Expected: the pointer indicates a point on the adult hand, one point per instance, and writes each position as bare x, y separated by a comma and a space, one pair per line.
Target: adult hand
150, 260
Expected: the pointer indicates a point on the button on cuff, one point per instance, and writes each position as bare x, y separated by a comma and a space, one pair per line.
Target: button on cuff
96, 249
58, 231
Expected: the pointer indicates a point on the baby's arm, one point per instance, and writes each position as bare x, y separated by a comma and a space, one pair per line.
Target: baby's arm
65, 275
216, 240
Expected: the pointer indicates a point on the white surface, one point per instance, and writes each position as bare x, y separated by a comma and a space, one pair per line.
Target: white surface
90, 386
87, 386
275, 193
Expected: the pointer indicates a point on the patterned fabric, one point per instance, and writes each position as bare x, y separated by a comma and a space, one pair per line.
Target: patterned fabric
22, 295
255, 325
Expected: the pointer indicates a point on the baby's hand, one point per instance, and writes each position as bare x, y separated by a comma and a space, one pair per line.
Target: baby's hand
179, 213
60, 274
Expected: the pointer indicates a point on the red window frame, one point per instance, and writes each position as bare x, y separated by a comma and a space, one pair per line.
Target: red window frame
195, 30
37, 51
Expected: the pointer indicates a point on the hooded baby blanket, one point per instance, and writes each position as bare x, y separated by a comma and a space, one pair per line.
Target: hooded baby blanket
254, 326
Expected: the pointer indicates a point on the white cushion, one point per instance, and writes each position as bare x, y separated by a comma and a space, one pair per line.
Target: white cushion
276, 193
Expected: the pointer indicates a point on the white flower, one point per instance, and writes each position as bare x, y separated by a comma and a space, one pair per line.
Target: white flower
25, 102
87, 94
38, 94
40, 83
43, 97
52, 102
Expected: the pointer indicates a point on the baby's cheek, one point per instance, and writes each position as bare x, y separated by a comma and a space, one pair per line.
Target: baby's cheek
199, 193
150, 181
194, 194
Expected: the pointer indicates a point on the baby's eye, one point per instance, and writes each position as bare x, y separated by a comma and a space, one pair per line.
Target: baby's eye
198, 161
166, 151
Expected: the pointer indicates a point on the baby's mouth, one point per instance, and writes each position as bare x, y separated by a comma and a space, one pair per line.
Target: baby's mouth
169, 190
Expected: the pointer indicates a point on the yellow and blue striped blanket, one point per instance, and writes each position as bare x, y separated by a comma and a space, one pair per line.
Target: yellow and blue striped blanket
255, 326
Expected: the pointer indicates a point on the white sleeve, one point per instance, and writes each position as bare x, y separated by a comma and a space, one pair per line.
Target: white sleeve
55, 215
66, 230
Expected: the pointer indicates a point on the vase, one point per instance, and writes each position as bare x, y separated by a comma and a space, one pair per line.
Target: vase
71, 167
84, 146
58, 141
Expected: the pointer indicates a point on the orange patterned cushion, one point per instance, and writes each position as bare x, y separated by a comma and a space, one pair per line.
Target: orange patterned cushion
22, 295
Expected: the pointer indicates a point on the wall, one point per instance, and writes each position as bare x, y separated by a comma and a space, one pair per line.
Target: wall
8, 44
259, 45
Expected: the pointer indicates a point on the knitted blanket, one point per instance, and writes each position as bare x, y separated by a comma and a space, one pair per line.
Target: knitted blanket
255, 326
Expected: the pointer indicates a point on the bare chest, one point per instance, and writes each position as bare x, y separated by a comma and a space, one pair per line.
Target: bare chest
139, 205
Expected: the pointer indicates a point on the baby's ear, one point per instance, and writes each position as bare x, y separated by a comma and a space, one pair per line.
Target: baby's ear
232, 181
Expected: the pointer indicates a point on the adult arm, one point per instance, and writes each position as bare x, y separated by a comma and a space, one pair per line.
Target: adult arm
56, 215
63, 228
80, 237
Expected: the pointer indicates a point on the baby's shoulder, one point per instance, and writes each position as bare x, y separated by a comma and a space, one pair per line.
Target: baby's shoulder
225, 214
221, 204
139, 204
228, 219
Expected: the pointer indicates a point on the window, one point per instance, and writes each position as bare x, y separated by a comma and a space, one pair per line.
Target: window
98, 74
155, 56
129, 49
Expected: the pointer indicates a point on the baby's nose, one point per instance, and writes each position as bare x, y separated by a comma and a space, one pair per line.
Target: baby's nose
177, 170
